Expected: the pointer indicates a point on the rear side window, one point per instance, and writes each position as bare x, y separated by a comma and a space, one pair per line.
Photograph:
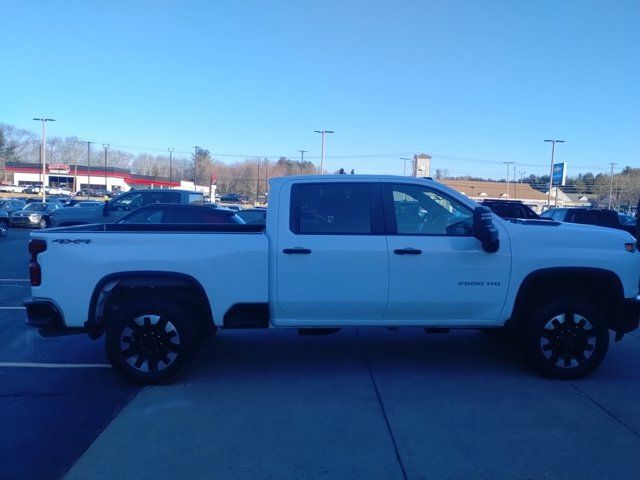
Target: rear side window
331, 208
161, 197
196, 199
204, 215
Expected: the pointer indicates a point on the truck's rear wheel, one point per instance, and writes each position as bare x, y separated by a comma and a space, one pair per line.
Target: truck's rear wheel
566, 338
150, 341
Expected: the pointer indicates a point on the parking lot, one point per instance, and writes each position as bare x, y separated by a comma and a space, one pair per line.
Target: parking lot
363, 403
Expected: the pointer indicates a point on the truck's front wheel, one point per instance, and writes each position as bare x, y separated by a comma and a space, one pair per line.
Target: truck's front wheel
566, 338
150, 341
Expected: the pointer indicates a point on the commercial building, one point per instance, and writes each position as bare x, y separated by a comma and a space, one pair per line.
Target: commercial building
478, 190
78, 177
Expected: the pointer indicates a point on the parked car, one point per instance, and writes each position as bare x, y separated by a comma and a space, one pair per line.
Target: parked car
12, 189
176, 213
234, 198
10, 205
113, 210
589, 216
4, 222
59, 191
336, 252
511, 209
87, 204
626, 219
34, 214
33, 189
254, 215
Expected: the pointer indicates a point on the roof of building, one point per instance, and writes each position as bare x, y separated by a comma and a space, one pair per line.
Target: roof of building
484, 189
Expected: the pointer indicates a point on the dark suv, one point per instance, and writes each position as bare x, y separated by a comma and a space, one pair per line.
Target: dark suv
588, 216
234, 198
511, 209
115, 209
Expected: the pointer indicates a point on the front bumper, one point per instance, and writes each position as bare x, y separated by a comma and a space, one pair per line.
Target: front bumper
44, 315
627, 316
24, 222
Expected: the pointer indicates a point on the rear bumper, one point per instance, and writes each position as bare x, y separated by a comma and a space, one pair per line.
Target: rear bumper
44, 315
627, 316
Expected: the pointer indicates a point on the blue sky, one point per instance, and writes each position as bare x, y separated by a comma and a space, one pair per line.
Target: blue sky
480, 80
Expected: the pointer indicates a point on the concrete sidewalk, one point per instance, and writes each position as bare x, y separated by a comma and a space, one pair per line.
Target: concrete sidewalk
272, 405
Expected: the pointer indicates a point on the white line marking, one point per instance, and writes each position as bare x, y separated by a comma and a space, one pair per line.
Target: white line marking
14, 279
54, 365
12, 308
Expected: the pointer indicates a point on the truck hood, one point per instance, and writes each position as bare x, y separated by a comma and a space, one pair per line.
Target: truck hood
77, 211
567, 235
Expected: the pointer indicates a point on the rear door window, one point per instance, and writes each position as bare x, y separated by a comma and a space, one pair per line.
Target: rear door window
331, 209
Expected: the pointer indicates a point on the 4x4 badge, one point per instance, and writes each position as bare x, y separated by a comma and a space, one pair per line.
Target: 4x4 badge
64, 241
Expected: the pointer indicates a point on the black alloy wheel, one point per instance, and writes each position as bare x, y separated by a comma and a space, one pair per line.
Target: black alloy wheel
566, 338
151, 341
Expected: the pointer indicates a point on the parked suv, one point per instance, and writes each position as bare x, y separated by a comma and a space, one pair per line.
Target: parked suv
11, 205
511, 209
602, 218
113, 210
234, 198
34, 214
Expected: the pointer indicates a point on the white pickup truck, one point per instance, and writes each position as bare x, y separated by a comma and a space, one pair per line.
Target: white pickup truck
338, 251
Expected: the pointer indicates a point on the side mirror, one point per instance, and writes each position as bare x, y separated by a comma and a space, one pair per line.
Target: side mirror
106, 208
484, 229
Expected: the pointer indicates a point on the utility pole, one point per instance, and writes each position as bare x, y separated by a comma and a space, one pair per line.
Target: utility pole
508, 164
553, 152
258, 184
266, 178
404, 166
106, 147
611, 183
171, 149
323, 132
195, 168
302, 152
515, 183
89, 167
43, 154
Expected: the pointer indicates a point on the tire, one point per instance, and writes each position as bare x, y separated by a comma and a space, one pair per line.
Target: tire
139, 348
565, 338
4, 229
42, 224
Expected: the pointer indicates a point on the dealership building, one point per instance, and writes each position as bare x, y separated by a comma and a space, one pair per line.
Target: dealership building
78, 177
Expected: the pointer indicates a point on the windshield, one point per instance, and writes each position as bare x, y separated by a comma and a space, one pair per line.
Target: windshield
35, 207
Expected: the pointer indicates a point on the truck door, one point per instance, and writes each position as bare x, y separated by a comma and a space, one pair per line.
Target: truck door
331, 260
438, 272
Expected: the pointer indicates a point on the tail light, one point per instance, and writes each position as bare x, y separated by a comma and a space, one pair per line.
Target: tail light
35, 273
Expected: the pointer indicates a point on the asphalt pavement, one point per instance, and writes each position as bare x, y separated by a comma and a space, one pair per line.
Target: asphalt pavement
359, 404
51, 407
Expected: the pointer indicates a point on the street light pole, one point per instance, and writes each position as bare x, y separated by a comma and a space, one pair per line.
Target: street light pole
88, 167
195, 168
404, 166
302, 152
611, 184
171, 149
508, 164
106, 147
43, 154
553, 152
323, 132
